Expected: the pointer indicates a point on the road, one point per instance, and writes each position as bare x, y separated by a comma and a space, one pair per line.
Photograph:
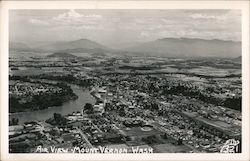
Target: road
85, 137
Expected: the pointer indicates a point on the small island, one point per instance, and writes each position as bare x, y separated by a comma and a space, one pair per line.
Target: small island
30, 96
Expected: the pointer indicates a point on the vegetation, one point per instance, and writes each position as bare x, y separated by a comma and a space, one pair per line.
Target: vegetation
230, 102
88, 108
42, 100
58, 119
66, 78
151, 67
13, 121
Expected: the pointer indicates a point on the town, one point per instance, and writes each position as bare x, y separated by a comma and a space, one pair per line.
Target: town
141, 104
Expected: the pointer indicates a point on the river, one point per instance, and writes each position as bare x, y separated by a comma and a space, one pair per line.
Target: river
84, 96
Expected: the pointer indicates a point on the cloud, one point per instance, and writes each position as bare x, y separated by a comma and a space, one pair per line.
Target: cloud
144, 34
38, 22
202, 16
75, 20
74, 28
70, 20
167, 21
73, 15
191, 33
132, 25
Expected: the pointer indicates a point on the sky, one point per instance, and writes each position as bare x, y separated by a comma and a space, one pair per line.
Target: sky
120, 27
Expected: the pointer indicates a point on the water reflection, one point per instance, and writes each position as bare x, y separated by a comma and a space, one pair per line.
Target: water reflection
84, 96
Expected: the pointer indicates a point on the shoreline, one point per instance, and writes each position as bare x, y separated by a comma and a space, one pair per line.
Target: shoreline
16, 113
26, 112
72, 98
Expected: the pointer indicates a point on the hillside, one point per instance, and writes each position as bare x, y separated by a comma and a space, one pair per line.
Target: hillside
17, 46
169, 47
61, 55
76, 46
179, 47
238, 59
83, 44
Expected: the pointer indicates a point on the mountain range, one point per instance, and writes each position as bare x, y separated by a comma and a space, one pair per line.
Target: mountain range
17, 46
76, 46
82, 44
185, 47
169, 47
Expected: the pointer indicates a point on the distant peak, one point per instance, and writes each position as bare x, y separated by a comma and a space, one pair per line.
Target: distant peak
199, 39
179, 38
83, 39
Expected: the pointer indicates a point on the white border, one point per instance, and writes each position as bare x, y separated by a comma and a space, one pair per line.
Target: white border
6, 5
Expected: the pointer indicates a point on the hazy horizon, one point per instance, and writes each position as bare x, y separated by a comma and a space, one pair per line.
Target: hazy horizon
120, 28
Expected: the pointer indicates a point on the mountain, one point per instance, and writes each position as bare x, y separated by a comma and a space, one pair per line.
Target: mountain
61, 55
17, 46
122, 45
187, 47
76, 46
238, 59
86, 50
169, 47
82, 45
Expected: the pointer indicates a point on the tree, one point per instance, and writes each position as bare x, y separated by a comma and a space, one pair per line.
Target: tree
179, 142
14, 121
121, 111
15, 106
155, 106
88, 108
57, 117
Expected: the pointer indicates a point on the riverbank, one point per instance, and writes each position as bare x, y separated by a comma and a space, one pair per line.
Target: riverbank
49, 104
30, 96
68, 107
